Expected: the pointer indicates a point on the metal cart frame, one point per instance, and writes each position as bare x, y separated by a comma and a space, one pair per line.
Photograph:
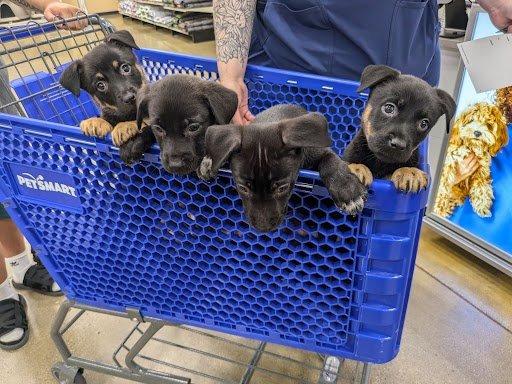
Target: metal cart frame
144, 331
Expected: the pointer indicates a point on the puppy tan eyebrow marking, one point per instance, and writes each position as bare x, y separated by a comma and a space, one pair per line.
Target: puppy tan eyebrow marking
115, 64
99, 76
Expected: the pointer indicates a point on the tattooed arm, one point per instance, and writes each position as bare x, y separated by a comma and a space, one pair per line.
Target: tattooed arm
233, 21
53, 10
32, 5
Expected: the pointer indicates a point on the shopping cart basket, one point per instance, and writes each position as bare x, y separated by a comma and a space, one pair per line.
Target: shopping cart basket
163, 249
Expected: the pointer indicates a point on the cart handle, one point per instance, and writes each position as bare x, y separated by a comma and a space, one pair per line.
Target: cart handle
33, 28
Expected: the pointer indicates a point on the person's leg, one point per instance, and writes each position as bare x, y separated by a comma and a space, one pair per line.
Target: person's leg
26, 274
14, 250
13, 326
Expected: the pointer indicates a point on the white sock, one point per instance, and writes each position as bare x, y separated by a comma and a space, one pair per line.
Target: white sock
7, 291
20, 265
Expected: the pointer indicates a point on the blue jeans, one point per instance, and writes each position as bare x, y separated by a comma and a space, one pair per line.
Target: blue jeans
338, 38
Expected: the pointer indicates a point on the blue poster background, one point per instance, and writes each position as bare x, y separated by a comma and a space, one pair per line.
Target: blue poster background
495, 230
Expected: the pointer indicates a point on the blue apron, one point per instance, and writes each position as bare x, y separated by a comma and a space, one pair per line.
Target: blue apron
339, 38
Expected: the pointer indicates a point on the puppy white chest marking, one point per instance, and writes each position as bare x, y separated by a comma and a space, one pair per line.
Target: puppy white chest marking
259, 153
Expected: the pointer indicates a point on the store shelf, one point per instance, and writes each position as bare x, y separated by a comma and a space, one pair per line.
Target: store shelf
149, 2
176, 9
195, 10
197, 37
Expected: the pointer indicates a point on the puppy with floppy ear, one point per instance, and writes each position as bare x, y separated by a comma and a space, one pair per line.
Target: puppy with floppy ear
110, 74
179, 108
266, 157
400, 112
480, 130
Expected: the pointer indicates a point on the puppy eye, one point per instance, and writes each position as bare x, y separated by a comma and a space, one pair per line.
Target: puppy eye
424, 124
243, 189
158, 130
282, 189
126, 69
101, 86
389, 109
194, 127
294, 152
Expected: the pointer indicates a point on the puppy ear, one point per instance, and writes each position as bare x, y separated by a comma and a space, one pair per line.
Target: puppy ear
123, 38
142, 105
221, 142
70, 78
376, 74
307, 131
500, 129
448, 105
222, 101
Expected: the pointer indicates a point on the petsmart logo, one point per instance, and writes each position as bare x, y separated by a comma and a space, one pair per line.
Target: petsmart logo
39, 183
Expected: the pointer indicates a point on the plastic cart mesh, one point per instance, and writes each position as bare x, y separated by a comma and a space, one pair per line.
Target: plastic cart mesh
179, 249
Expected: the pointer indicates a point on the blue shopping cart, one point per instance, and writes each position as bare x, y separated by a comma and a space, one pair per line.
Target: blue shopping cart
174, 250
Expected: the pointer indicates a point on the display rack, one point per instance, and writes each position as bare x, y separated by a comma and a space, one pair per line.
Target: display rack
197, 36
176, 9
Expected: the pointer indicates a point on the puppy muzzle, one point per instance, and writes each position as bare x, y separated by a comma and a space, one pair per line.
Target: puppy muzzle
179, 165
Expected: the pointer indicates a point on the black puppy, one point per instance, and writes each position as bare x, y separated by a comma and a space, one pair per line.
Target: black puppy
400, 112
179, 108
266, 157
110, 74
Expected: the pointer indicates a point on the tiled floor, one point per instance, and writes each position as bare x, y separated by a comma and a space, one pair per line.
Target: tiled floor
458, 328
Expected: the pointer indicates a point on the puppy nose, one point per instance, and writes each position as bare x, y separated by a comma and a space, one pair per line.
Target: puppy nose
478, 133
129, 97
397, 143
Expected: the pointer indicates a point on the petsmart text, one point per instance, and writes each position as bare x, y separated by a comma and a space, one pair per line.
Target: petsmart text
28, 181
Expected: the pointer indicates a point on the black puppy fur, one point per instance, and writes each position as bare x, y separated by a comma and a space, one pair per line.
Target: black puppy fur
266, 157
179, 108
400, 112
110, 74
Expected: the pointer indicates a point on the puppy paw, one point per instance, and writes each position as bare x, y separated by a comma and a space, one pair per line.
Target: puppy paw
123, 132
362, 172
95, 126
134, 149
348, 193
205, 170
409, 179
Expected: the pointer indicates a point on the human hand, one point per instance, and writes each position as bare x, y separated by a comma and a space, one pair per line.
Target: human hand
466, 168
500, 12
242, 116
56, 10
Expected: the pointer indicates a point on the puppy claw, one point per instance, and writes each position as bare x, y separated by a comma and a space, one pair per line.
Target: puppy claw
205, 170
347, 192
409, 179
362, 172
123, 132
353, 207
95, 126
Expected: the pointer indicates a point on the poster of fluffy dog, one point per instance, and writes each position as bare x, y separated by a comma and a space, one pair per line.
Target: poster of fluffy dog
475, 178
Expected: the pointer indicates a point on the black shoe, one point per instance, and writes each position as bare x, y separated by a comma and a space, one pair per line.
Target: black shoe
13, 315
39, 280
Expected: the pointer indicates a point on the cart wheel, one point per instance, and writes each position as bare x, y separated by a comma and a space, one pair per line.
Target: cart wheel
65, 374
